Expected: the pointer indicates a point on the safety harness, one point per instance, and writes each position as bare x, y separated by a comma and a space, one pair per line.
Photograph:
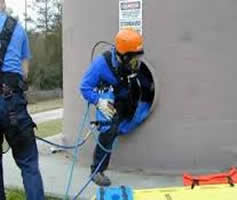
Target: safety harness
5, 91
13, 81
12, 87
125, 107
5, 37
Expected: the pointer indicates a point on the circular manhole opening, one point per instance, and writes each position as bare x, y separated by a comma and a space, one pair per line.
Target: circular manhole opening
150, 74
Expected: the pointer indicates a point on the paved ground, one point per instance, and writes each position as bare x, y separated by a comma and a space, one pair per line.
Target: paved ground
55, 171
49, 115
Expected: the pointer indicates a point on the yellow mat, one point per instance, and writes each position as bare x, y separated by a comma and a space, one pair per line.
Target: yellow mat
208, 192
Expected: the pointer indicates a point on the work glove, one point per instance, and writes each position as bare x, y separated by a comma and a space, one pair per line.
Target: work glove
106, 107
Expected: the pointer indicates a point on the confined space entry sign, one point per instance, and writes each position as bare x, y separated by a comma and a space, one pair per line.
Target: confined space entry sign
130, 14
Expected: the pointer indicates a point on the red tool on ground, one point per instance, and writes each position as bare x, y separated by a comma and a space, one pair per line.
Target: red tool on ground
229, 177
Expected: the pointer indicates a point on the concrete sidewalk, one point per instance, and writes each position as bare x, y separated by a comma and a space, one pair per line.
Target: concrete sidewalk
48, 115
55, 170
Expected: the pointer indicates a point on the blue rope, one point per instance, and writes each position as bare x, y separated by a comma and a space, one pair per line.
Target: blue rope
90, 179
86, 119
99, 165
63, 146
75, 152
96, 135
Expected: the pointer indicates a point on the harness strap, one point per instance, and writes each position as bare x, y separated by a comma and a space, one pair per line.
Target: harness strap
131, 102
108, 57
124, 193
194, 183
230, 181
5, 37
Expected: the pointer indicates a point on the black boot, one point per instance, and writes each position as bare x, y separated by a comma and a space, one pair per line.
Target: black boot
101, 180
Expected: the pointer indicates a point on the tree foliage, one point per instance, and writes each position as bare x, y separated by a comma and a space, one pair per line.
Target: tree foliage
46, 45
47, 12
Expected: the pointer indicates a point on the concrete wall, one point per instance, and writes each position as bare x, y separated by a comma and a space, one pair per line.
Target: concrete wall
192, 45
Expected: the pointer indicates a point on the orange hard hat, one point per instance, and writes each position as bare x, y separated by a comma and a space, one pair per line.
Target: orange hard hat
128, 41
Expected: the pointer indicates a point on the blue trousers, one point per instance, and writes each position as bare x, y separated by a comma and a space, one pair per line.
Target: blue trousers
27, 161
18, 127
107, 140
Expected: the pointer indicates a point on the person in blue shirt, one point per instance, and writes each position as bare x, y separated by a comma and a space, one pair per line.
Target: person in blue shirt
121, 87
15, 121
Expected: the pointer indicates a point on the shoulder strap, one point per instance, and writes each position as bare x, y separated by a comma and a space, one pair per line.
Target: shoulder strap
108, 57
5, 37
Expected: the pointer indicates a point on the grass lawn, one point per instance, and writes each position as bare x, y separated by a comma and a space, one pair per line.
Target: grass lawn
45, 105
49, 128
16, 194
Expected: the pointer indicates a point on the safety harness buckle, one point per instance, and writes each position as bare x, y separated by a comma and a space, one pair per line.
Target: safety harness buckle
6, 91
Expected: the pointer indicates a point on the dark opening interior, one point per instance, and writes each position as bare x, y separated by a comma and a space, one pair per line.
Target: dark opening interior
147, 86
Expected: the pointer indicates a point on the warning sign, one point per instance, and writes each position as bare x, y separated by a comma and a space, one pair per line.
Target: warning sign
130, 14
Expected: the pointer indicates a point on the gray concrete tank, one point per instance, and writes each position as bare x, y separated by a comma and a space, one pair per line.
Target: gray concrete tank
190, 47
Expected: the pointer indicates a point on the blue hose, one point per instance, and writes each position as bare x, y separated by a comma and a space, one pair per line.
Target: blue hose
90, 179
75, 152
63, 146
99, 165
96, 136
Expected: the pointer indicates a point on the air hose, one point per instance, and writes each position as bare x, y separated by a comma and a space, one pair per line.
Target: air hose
66, 147
75, 152
79, 144
90, 179
96, 45
96, 135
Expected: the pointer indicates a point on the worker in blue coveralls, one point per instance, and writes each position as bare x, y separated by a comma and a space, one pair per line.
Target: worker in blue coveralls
122, 89
15, 122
